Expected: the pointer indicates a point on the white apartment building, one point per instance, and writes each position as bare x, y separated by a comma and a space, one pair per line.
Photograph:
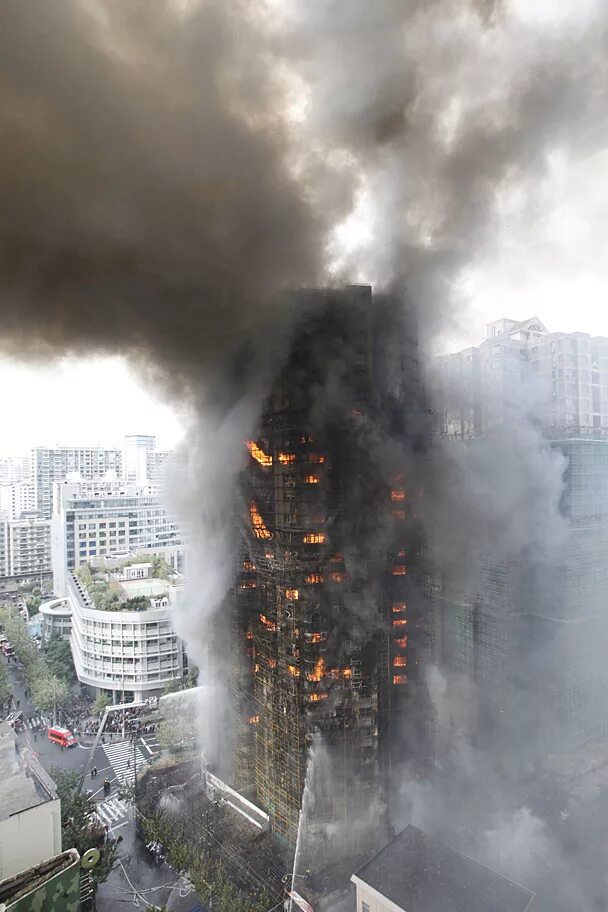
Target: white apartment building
14, 469
131, 654
560, 378
90, 523
55, 464
25, 547
17, 498
138, 457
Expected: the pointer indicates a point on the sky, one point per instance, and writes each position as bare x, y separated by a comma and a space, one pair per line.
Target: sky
80, 402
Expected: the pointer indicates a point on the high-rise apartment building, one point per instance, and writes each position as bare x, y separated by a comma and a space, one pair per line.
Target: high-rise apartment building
17, 498
93, 521
138, 450
25, 547
329, 616
563, 377
14, 469
534, 627
50, 465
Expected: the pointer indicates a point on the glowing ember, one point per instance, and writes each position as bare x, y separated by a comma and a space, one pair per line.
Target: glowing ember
399, 570
259, 529
253, 720
314, 578
314, 538
319, 671
269, 625
287, 458
398, 606
258, 454
399, 622
249, 584
399, 679
248, 565
311, 479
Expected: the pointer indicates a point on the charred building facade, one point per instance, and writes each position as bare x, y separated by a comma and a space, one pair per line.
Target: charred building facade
329, 621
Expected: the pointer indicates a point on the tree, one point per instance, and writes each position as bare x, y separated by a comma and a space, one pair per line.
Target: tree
58, 656
48, 692
101, 702
5, 687
78, 828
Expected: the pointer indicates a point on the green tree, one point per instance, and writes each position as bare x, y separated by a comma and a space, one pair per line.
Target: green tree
5, 687
58, 657
49, 692
78, 829
101, 702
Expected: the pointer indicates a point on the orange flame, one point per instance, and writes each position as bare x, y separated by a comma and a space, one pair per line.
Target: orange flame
314, 578
399, 679
293, 671
398, 607
315, 637
400, 661
287, 458
399, 570
316, 697
258, 454
314, 538
292, 594
248, 565
259, 529
269, 625
399, 622
253, 720
249, 584
347, 673
319, 671
311, 479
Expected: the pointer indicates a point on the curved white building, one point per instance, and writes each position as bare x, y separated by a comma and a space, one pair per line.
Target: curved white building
131, 654
56, 619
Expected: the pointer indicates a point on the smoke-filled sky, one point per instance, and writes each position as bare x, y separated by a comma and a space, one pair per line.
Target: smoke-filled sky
167, 169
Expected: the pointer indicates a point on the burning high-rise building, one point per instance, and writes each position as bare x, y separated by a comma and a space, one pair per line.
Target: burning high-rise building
329, 620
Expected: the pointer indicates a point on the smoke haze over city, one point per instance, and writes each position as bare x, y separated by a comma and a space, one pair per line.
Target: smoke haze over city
172, 173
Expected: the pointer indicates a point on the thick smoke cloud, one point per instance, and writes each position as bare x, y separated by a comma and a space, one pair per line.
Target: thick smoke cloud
167, 171
148, 203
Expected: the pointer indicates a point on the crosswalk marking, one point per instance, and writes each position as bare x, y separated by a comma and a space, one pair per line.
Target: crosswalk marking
122, 758
111, 811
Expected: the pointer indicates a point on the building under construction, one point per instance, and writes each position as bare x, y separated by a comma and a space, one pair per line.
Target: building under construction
329, 621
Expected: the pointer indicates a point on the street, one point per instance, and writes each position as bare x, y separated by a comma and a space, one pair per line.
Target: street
116, 759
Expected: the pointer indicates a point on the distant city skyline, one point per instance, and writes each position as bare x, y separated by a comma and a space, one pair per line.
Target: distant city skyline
97, 401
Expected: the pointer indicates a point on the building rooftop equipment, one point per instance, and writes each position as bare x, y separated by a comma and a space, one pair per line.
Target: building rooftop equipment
420, 874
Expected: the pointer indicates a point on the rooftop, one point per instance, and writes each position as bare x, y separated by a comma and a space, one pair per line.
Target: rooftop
421, 874
23, 784
22, 885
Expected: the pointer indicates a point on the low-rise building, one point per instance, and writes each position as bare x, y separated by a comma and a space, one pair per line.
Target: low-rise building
415, 873
55, 885
123, 638
56, 616
30, 810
